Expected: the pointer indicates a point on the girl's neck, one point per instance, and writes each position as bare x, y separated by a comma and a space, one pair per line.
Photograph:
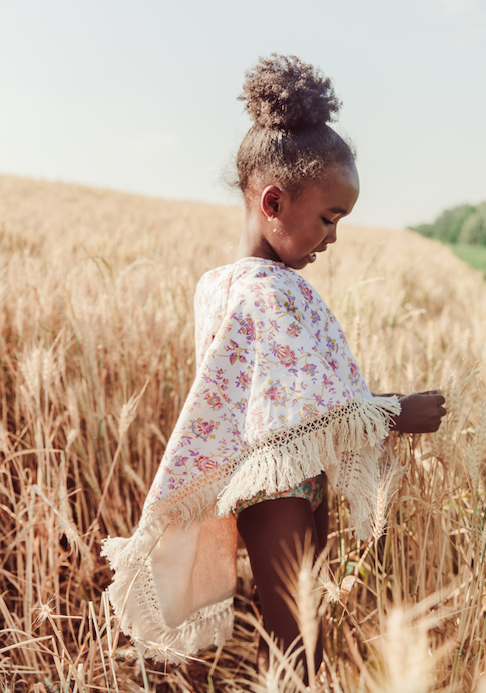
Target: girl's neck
252, 243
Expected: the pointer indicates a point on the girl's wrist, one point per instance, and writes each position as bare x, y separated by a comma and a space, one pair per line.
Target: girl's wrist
388, 394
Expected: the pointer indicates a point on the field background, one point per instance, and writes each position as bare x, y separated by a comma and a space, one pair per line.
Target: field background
96, 304
474, 255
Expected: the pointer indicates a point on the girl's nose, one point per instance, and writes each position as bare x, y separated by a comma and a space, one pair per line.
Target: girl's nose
331, 236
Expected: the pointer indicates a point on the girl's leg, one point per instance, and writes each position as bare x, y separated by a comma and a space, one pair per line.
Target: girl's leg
321, 520
265, 528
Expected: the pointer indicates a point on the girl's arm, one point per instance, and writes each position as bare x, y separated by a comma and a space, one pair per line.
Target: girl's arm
421, 412
388, 394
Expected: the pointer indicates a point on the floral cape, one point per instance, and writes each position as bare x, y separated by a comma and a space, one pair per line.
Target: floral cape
277, 398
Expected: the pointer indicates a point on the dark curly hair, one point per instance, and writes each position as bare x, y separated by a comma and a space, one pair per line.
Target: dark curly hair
290, 103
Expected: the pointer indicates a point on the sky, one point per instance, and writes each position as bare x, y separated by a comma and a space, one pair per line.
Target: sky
141, 95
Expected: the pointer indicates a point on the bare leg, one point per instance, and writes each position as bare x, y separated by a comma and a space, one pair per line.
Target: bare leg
321, 520
265, 528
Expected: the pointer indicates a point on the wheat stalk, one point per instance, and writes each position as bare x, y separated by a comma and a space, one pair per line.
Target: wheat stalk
96, 291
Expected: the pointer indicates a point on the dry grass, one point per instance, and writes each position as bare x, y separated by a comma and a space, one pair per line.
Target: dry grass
96, 290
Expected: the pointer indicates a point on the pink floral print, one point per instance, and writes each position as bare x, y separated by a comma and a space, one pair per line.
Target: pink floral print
270, 354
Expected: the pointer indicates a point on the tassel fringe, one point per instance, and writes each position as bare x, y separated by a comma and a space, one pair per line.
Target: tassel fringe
133, 597
346, 443
284, 459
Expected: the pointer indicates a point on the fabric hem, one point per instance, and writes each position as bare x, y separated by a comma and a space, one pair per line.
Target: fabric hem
346, 443
285, 458
133, 596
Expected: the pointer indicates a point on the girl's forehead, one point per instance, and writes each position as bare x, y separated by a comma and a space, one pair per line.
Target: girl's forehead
340, 175
342, 182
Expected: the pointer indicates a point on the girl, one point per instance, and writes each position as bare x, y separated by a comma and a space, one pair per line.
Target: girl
278, 405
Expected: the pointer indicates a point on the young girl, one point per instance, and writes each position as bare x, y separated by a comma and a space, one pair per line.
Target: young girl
278, 405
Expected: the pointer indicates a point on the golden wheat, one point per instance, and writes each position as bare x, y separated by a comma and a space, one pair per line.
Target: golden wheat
96, 354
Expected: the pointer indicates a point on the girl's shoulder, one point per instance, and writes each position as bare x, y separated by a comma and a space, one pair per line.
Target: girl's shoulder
251, 270
253, 275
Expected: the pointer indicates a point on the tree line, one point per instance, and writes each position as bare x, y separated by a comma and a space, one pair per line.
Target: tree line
462, 224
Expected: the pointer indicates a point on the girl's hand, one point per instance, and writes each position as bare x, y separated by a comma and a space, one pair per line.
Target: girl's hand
421, 412
388, 394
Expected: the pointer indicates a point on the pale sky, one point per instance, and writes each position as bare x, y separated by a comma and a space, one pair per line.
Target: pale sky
140, 95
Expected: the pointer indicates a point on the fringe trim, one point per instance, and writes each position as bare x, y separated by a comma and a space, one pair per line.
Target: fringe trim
346, 443
280, 461
285, 458
207, 627
369, 483
133, 597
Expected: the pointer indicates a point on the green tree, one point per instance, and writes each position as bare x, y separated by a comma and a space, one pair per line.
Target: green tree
473, 229
448, 225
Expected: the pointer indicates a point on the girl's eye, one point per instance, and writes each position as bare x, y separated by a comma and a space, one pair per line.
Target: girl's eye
326, 221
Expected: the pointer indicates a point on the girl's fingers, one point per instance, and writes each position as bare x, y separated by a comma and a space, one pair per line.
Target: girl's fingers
439, 399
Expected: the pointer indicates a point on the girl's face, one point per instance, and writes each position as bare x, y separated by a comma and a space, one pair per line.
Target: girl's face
303, 226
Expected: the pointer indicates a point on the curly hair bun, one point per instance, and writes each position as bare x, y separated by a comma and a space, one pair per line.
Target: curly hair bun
283, 93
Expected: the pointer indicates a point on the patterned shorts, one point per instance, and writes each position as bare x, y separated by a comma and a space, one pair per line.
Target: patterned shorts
312, 489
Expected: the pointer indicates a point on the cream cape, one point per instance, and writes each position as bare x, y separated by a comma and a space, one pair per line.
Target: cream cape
277, 398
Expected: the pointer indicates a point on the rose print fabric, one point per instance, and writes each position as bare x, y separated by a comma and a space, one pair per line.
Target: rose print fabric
270, 354
277, 399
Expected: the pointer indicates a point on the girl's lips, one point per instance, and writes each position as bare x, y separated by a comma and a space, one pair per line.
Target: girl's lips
313, 256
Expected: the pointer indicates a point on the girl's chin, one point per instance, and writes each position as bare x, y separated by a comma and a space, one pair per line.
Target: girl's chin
302, 262
307, 260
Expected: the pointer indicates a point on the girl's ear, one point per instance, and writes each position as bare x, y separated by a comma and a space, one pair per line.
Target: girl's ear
270, 201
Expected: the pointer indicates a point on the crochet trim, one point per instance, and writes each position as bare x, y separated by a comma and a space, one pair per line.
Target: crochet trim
285, 458
133, 597
346, 443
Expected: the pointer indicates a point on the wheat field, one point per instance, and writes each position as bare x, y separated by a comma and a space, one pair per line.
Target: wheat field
96, 352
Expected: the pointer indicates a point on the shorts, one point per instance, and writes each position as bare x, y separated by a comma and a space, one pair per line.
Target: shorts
313, 490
